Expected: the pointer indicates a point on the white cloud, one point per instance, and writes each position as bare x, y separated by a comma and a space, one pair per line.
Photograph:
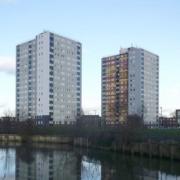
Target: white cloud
2, 105
169, 98
7, 93
7, 65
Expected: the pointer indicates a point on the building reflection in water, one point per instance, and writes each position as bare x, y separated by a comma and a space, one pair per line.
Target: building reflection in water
90, 169
26, 163
51, 165
7, 165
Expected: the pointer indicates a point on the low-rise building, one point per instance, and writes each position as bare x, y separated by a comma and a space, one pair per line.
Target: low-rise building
90, 121
178, 116
167, 122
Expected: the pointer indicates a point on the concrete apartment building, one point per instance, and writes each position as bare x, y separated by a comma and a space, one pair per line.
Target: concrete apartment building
130, 85
48, 79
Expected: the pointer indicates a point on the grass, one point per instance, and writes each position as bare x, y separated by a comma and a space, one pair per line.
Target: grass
111, 134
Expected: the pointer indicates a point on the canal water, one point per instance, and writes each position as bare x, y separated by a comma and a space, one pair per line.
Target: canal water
68, 163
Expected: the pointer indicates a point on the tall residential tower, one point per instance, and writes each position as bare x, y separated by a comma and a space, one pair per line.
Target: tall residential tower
130, 85
48, 79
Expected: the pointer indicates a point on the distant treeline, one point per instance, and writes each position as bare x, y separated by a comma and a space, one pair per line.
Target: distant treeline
131, 131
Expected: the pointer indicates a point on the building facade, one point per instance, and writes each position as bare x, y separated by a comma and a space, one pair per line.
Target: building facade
130, 85
48, 79
178, 116
167, 122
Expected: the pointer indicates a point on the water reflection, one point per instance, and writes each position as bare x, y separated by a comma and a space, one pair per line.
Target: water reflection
66, 163
46, 165
90, 169
7, 164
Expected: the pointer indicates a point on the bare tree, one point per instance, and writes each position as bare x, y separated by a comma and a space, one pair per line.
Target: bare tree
8, 117
135, 121
8, 113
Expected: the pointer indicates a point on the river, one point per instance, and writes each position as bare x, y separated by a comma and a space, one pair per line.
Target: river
68, 163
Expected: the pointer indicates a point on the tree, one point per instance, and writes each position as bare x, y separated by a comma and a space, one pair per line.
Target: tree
6, 124
129, 131
135, 121
26, 129
8, 113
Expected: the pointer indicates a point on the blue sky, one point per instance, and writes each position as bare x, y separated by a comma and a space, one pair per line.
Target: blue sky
103, 26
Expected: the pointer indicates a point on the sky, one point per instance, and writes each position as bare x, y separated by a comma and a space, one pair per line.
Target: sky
103, 27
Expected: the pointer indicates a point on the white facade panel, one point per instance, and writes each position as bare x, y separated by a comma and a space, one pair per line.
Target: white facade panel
134, 82
43, 74
143, 83
151, 87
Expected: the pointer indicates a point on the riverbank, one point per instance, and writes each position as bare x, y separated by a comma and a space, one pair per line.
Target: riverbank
163, 149
27, 160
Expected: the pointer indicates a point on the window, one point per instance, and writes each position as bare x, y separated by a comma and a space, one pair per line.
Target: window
50, 96
51, 56
18, 49
51, 73
50, 102
51, 50
51, 90
51, 68
51, 107
51, 79
51, 44
51, 38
